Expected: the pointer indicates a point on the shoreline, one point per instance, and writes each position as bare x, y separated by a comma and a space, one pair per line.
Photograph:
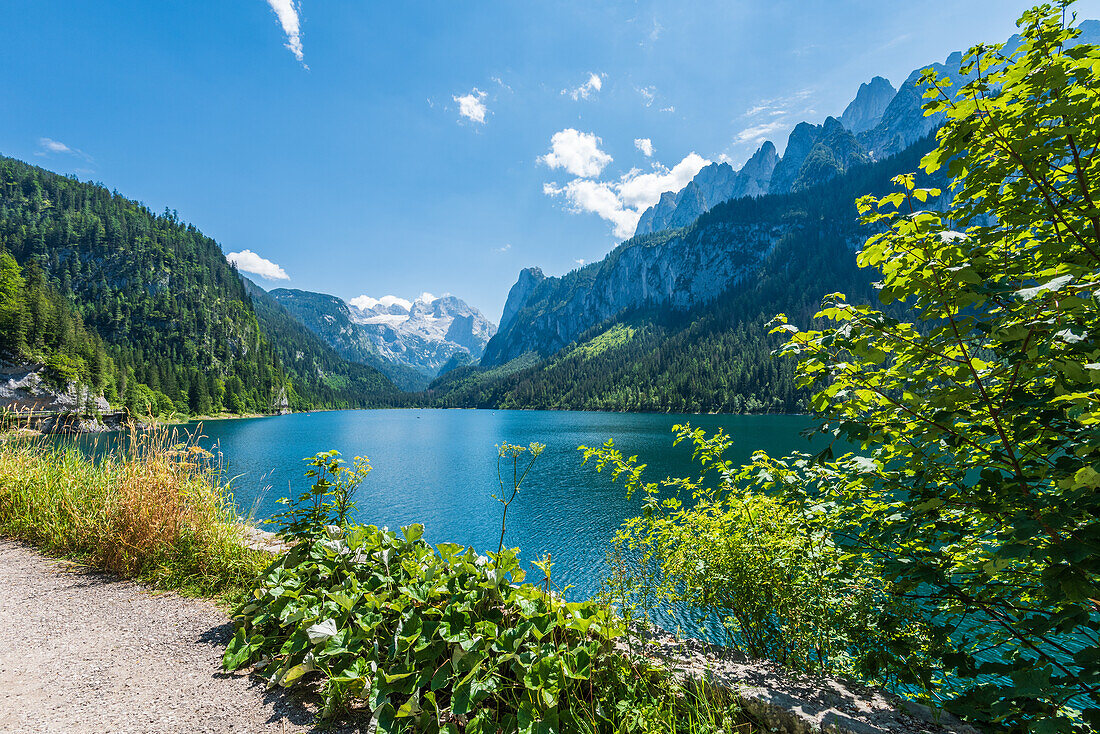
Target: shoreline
92, 425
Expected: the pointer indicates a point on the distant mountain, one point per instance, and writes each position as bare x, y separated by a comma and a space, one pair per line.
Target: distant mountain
681, 270
865, 111
713, 184
904, 121
146, 310
411, 341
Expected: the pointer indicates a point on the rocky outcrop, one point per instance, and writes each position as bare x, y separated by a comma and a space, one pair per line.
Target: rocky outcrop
713, 184
783, 701
28, 400
835, 151
678, 269
755, 176
799, 144
24, 389
518, 295
865, 111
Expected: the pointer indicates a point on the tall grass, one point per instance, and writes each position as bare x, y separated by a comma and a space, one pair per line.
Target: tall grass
155, 509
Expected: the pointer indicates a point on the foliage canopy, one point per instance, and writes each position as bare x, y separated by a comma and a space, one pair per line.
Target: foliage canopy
975, 490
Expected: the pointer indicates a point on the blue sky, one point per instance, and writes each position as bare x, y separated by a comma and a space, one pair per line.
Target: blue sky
393, 148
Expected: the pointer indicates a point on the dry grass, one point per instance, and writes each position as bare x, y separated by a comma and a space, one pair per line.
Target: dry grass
156, 509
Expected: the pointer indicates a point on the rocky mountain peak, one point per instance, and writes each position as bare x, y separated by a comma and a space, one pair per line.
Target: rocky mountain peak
422, 333
865, 111
517, 296
713, 184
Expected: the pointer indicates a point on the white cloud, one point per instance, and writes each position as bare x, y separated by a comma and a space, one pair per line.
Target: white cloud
645, 145
643, 190
425, 297
54, 146
49, 146
249, 262
287, 11
759, 132
779, 105
367, 303
472, 105
578, 153
648, 94
670, 108
622, 202
580, 261
507, 246
655, 32
584, 91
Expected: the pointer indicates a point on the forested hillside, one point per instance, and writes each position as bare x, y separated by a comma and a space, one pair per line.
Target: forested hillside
37, 322
170, 312
711, 357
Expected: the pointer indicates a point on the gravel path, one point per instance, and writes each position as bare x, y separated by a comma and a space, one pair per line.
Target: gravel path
85, 653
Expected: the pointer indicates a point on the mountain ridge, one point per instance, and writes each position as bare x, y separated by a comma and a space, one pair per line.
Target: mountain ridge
409, 341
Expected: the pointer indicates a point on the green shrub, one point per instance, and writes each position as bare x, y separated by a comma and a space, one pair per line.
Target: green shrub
767, 571
441, 638
978, 423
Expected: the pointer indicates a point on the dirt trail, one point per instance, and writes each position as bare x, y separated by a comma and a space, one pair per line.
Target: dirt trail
82, 652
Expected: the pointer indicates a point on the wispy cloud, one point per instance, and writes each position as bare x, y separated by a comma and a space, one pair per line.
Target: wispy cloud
578, 153
580, 261
655, 30
645, 145
621, 202
584, 91
759, 132
49, 146
670, 108
648, 94
249, 262
778, 105
289, 14
507, 246
472, 105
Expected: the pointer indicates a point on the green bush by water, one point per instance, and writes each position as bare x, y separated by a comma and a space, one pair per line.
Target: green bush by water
442, 638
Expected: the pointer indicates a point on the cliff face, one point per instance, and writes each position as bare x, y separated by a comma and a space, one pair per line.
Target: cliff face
517, 296
865, 111
682, 269
690, 268
714, 184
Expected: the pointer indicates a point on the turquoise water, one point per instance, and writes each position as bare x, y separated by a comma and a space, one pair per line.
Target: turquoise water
437, 467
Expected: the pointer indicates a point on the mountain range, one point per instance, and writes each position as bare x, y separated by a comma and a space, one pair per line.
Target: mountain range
878, 123
408, 341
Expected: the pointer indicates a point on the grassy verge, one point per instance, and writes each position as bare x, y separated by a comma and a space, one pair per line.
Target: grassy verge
156, 510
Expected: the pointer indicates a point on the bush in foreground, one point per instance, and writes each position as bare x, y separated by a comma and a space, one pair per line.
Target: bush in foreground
441, 638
